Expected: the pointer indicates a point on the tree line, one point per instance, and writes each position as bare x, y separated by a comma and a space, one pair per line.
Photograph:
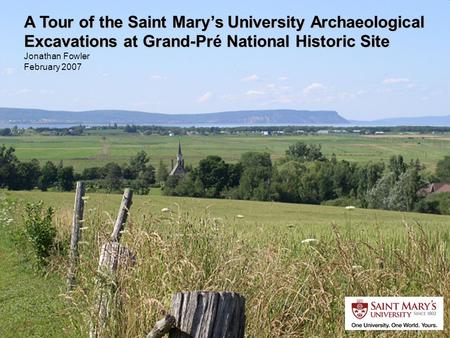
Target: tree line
306, 175
138, 173
303, 175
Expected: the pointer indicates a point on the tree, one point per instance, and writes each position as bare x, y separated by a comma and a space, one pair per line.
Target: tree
301, 151
398, 188
170, 185
344, 178
397, 165
49, 176
403, 195
255, 182
144, 180
367, 176
288, 181
93, 173
212, 172
113, 176
139, 162
162, 173
5, 132
378, 196
26, 176
130, 129
8, 162
443, 170
65, 177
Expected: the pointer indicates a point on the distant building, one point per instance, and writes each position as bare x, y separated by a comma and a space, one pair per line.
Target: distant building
435, 188
323, 132
178, 169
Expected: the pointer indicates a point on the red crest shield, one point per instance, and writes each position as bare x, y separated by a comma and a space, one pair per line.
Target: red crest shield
360, 309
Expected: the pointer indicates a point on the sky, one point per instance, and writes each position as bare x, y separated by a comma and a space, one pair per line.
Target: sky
410, 78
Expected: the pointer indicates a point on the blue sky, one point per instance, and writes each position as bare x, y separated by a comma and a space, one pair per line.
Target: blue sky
410, 78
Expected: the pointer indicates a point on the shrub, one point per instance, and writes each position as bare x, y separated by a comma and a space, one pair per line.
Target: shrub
39, 231
342, 202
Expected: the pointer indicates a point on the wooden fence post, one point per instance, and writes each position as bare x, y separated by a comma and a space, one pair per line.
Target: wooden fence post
208, 315
122, 215
76, 234
112, 257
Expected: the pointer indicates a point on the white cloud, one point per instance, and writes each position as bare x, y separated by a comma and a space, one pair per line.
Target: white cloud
313, 88
205, 97
158, 77
253, 92
24, 91
7, 71
395, 80
283, 78
252, 77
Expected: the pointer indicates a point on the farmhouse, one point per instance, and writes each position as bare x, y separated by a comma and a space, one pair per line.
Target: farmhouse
178, 169
435, 188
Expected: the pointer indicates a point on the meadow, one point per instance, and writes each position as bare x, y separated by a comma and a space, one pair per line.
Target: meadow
249, 218
99, 147
293, 263
293, 287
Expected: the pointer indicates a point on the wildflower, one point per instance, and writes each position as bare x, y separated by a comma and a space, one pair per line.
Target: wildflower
310, 240
165, 210
239, 216
85, 198
356, 267
350, 207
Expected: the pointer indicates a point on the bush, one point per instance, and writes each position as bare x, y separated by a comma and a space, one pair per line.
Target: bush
39, 231
342, 202
440, 203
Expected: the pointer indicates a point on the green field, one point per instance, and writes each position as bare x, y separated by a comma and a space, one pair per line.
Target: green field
100, 147
265, 218
292, 289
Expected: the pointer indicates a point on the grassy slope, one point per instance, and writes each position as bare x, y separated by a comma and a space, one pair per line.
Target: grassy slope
102, 147
30, 305
260, 218
33, 301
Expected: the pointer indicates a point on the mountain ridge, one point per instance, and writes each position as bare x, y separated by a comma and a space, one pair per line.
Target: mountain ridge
43, 117
110, 116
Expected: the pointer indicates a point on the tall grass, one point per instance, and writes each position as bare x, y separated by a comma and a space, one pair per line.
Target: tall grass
292, 289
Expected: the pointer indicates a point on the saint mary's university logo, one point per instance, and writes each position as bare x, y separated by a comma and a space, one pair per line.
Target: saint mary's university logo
360, 309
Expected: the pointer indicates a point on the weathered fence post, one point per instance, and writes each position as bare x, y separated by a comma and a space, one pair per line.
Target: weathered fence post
78, 211
208, 315
112, 257
122, 215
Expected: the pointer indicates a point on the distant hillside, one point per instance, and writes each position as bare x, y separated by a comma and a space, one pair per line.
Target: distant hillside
34, 117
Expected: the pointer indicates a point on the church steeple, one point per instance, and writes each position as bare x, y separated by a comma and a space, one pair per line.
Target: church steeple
180, 155
179, 167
